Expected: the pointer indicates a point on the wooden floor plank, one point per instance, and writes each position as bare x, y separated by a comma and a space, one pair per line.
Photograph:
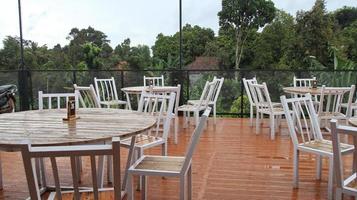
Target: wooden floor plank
231, 162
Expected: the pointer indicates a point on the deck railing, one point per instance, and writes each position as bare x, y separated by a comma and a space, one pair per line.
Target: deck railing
232, 100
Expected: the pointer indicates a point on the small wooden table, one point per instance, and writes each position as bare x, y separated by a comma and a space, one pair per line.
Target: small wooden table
46, 127
138, 89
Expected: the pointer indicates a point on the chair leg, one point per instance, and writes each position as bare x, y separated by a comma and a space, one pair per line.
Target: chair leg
100, 171
182, 187
251, 115
257, 124
140, 153
338, 194
272, 127
130, 190
186, 118
176, 130
43, 172
1, 184
197, 118
110, 168
164, 149
330, 179
189, 183
144, 188
214, 114
296, 168
318, 167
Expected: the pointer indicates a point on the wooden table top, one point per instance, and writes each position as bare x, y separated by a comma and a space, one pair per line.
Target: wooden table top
312, 91
139, 89
46, 127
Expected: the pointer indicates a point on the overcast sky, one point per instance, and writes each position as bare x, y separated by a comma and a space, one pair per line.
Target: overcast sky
49, 22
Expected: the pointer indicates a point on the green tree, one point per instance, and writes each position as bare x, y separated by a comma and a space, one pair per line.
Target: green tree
274, 41
345, 16
314, 30
137, 57
242, 16
91, 53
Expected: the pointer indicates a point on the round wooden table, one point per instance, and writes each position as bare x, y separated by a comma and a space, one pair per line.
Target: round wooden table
46, 127
138, 89
312, 91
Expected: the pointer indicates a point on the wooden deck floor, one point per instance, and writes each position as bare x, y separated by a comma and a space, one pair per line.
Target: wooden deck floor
231, 162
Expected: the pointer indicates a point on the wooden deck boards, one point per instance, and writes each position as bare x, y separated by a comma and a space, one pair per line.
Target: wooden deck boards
231, 162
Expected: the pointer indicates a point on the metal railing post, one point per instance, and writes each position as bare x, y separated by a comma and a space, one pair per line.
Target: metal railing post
241, 94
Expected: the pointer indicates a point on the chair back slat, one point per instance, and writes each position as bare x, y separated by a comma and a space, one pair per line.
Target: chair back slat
303, 82
29, 154
161, 106
261, 96
207, 93
217, 89
106, 89
194, 140
154, 81
246, 83
87, 96
301, 118
57, 98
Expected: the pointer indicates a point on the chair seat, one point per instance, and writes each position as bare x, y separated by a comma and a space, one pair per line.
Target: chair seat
105, 193
113, 102
353, 105
276, 111
142, 140
196, 102
172, 164
330, 115
325, 145
188, 107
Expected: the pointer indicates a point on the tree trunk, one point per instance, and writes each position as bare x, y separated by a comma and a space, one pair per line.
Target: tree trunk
238, 48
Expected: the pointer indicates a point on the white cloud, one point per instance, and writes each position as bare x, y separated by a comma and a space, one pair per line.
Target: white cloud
49, 22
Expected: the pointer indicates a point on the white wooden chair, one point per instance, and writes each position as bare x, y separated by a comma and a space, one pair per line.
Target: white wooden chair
264, 105
252, 105
303, 82
202, 105
330, 104
51, 101
162, 107
107, 92
154, 81
303, 122
168, 166
343, 185
52, 152
154, 104
215, 95
60, 100
87, 96
177, 91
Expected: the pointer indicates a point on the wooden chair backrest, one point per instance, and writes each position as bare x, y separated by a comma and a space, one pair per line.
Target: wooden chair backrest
194, 140
154, 81
217, 88
87, 96
261, 96
106, 89
59, 99
161, 106
29, 153
207, 93
303, 82
301, 118
331, 100
247, 88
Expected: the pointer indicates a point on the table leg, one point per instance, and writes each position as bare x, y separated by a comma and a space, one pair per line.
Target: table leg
354, 164
1, 185
128, 100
